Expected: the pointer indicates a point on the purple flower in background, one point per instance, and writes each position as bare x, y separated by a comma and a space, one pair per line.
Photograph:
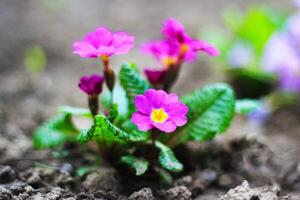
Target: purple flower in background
91, 85
155, 76
163, 51
174, 32
293, 28
103, 43
282, 58
260, 115
157, 109
240, 55
280, 53
297, 3
290, 80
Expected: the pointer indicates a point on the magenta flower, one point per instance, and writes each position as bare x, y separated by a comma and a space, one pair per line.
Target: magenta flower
174, 31
165, 52
157, 109
91, 85
103, 43
155, 77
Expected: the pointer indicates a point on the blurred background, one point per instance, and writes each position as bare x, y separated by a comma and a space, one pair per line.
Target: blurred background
38, 71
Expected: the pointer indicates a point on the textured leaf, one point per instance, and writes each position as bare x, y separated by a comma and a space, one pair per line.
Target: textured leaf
113, 113
54, 132
85, 135
246, 106
133, 83
167, 158
134, 134
75, 111
211, 110
103, 129
119, 97
140, 165
165, 176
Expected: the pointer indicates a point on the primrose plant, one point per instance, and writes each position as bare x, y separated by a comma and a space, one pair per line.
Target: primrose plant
156, 120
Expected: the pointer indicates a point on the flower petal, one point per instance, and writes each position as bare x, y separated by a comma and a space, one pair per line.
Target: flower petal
101, 37
141, 121
170, 99
142, 104
176, 109
84, 49
180, 120
122, 42
168, 126
199, 45
155, 97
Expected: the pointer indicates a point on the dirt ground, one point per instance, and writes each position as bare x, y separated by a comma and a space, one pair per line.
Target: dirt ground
27, 99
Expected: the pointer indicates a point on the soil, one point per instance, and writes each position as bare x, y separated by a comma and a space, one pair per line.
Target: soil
266, 157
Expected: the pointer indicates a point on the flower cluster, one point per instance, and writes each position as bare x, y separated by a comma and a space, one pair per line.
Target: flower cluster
102, 43
282, 55
176, 47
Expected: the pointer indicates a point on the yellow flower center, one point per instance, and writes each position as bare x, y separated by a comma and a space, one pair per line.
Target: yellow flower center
159, 115
167, 61
184, 48
104, 58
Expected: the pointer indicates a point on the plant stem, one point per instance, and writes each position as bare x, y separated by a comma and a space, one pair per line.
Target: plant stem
93, 104
172, 73
109, 75
154, 136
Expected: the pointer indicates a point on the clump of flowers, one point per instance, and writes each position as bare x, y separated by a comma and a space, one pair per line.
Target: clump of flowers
102, 44
176, 48
155, 120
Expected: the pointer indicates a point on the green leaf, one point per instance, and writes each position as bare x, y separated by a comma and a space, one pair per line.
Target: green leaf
119, 97
135, 135
140, 165
85, 136
133, 84
257, 26
113, 113
246, 106
54, 132
167, 158
75, 111
211, 110
83, 170
165, 177
104, 130
35, 59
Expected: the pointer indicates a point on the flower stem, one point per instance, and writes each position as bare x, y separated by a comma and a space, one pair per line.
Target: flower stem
154, 136
93, 104
172, 73
109, 75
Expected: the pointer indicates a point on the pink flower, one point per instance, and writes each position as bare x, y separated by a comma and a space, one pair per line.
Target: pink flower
91, 85
157, 109
103, 43
174, 31
155, 77
165, 52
